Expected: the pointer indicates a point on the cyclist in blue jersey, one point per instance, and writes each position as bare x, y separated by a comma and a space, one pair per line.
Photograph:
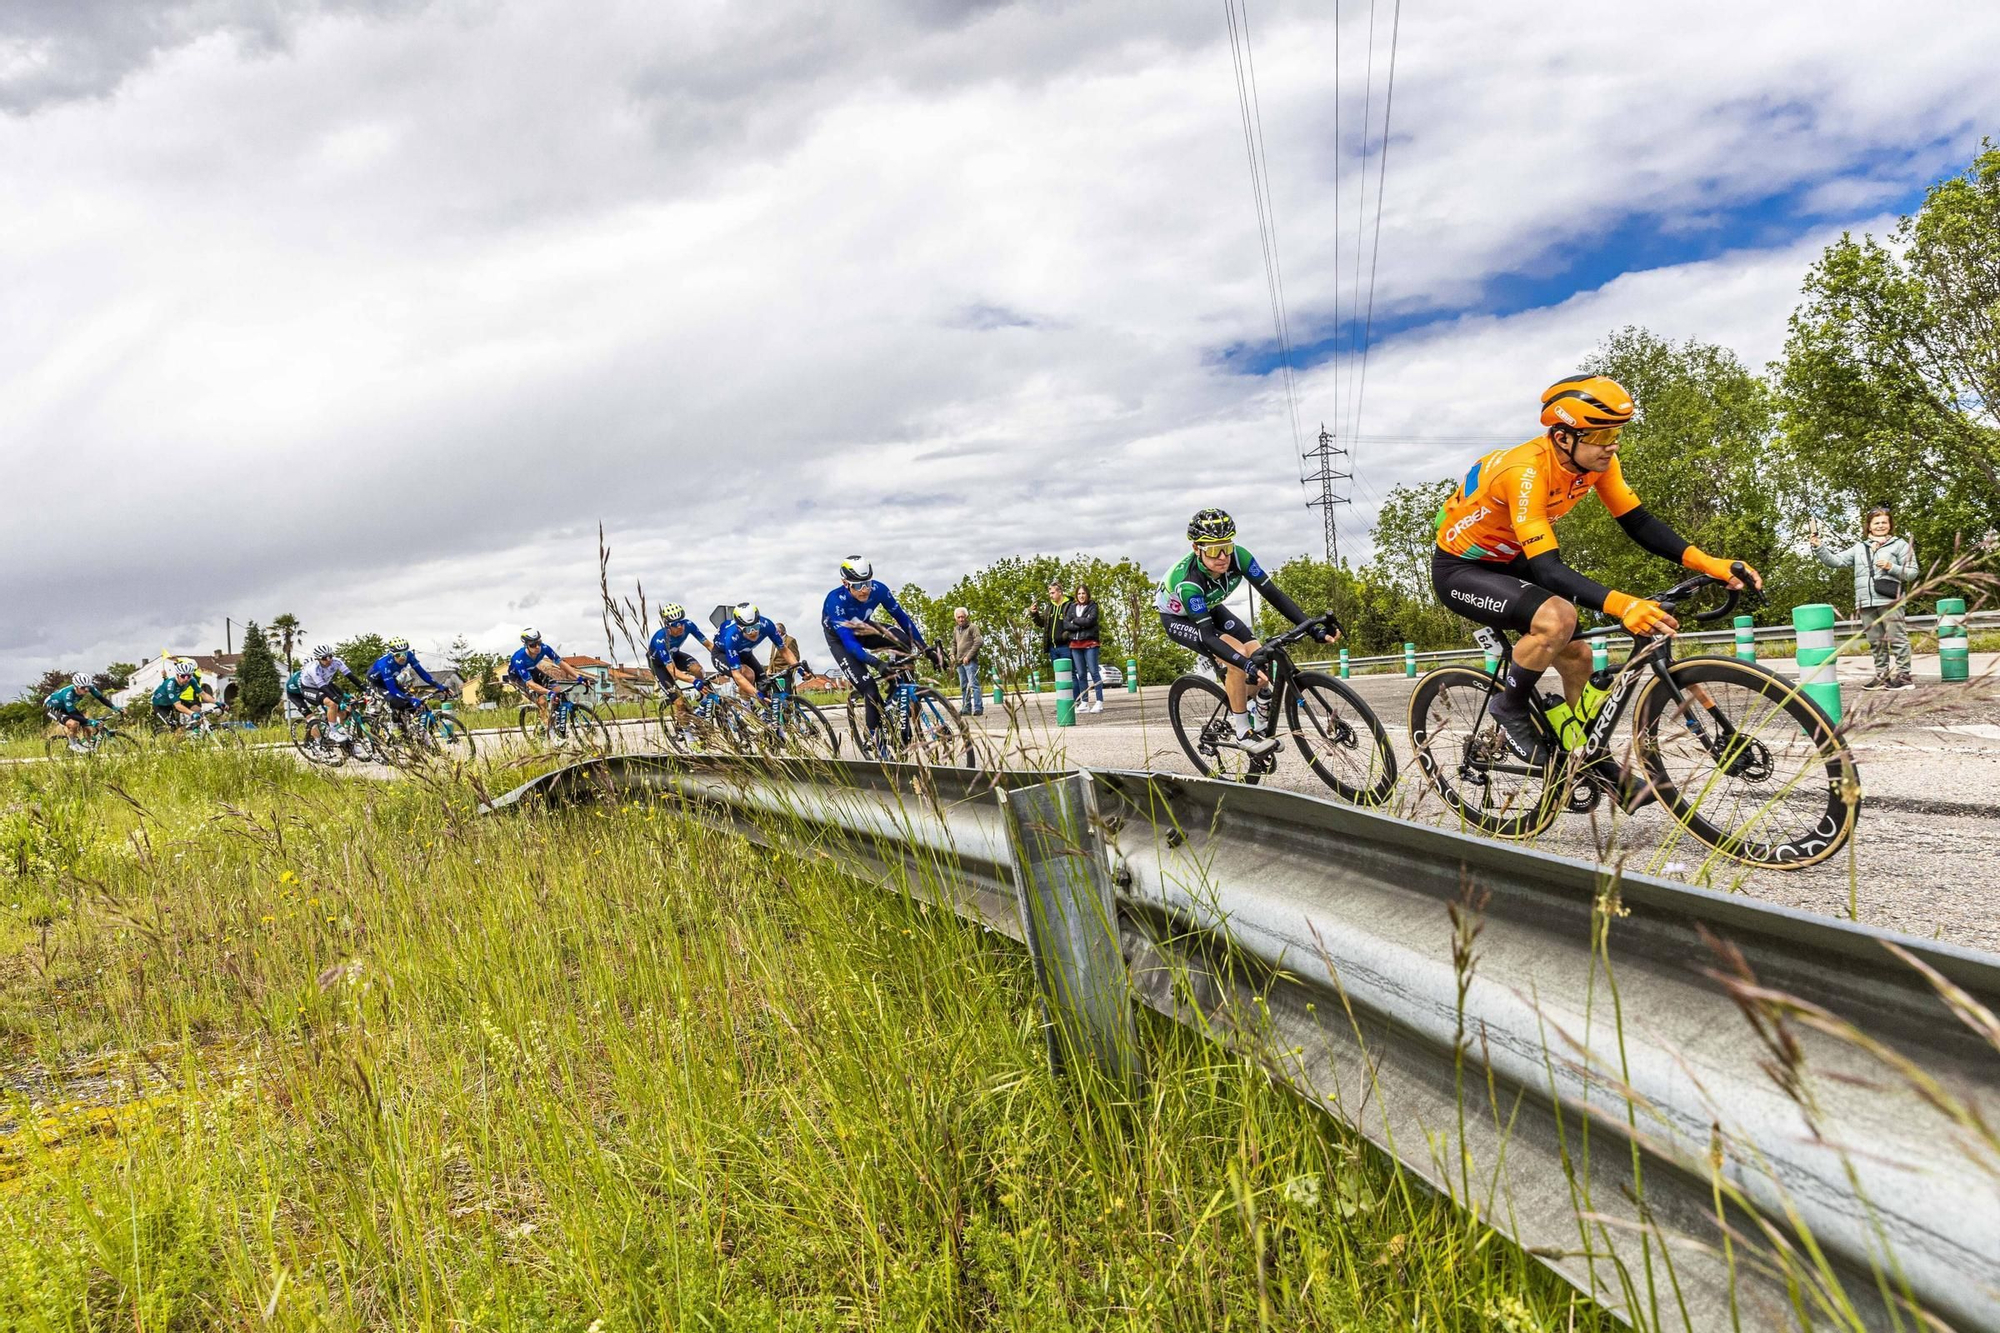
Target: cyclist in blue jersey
319, 686
745, 629
851, 632
65, 706
383, 675
532, 661
665, 654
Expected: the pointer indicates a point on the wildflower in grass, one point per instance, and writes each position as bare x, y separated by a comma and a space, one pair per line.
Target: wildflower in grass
1303, 1191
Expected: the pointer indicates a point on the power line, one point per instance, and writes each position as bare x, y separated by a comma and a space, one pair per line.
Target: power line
1381, 179
1250, 109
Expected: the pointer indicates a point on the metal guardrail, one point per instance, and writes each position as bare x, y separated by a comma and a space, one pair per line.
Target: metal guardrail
1843, 630
1537, 1037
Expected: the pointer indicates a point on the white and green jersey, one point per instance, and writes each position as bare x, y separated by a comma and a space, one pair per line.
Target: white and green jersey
1190, 590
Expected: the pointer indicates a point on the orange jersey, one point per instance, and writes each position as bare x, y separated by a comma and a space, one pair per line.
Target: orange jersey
1511, 499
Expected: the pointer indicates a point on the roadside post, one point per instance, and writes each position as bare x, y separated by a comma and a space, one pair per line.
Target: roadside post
1817, 664
1410, 660
1065, 705
1131, 675
1034, 682
1954, 644
1343, 664
1746, 640
999, 689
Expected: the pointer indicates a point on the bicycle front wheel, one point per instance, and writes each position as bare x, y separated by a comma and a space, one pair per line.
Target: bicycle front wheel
1747, 764
803, 731
938, 736
450, 737
1199, 708
1341, 738
1464, 756
587, 731
312, 743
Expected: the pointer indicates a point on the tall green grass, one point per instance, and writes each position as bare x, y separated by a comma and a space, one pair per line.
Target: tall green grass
285, 1049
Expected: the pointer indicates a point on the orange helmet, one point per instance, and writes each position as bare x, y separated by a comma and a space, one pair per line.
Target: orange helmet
1586, 402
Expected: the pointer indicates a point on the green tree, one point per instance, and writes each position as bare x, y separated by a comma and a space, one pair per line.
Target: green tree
285, 633
1705, 455
117, 675
361, 651
1891, 375
257, 678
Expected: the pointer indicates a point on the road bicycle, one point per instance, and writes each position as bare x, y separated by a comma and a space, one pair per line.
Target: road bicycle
98, 735
1738, 756
570, 725
424, 732
364, 734
1335, 732
788, 724
919, 725
207, 726
700, 718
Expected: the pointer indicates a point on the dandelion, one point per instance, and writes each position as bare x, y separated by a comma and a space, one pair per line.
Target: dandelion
288, 878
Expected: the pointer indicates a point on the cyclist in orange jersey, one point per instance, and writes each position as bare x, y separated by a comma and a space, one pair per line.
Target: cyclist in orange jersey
1496, 560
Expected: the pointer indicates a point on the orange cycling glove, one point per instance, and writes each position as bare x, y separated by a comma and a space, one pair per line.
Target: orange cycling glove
1639, 615
1701, 562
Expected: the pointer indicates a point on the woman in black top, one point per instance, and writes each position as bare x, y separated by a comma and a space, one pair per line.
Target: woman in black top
1080, 626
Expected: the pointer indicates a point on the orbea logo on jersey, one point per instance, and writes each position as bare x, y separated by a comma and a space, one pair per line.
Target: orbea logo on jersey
1451, 533
1483, 603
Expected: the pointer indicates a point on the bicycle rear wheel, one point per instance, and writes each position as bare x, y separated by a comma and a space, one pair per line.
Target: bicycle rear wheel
1341, 738
311, 742
1199, 708
1766, 779
803, 731
1464, 756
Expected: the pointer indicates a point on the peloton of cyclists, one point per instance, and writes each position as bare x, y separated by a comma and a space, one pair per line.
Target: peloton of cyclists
1496, 561
1190, 601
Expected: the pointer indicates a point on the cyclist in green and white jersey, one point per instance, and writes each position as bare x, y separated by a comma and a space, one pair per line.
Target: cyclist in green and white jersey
1190, 602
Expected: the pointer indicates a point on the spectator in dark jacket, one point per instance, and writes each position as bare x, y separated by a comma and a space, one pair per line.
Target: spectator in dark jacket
1080, 626
1048, 618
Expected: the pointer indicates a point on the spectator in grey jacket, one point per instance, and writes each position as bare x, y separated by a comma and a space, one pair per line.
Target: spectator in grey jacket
965, 644
1883, 566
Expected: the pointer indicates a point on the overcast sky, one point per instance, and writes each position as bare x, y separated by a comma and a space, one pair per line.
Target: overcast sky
372, 312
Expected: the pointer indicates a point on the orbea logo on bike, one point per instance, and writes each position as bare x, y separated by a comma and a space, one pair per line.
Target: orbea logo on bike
1483, 603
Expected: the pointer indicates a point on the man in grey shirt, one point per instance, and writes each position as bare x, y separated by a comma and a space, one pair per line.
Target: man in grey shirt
965, 644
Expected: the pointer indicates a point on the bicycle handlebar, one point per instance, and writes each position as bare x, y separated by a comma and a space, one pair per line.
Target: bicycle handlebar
1303, 630
1687, 588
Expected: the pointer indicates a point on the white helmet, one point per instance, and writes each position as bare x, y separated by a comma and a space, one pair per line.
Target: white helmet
531, 635
82, 680
183, 668
323, 650
746, 613
856, 569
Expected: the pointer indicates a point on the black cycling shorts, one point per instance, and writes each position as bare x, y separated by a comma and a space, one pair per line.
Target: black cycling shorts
1186, 630
62, 715
1487, 594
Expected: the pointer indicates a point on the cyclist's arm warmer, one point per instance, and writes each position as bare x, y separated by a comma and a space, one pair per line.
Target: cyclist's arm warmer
902, 617
1275, 595
1652, 534
422, 674
98, 695
1549, 570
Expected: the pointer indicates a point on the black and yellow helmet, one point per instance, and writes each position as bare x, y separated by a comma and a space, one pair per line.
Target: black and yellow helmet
1211, 525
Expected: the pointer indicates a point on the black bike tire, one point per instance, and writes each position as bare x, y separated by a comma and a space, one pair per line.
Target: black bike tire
1192, 683
1514, 827
965, 754
317, 727
1843, 783
459, 734
528, 719
667, 716
118, 741
585, 715
816, 726
1385, 784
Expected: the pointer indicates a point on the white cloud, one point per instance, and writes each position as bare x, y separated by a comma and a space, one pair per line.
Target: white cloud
372, 318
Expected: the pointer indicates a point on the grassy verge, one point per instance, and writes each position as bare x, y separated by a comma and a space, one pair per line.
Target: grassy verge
282, 1049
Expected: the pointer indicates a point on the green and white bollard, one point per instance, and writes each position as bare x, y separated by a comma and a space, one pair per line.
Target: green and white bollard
1034, 682
999, 691
1746, 640
1600, 655
1410, 660
1343, 664
1954, 644
1065, 705
1131, 675
1813, 626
